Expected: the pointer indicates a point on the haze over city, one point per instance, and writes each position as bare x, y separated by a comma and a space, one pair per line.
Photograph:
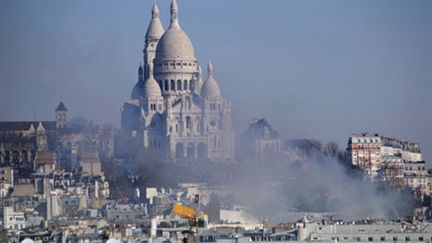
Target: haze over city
215, 121
314, 69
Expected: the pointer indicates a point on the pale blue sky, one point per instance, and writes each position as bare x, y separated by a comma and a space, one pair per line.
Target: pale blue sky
318, 69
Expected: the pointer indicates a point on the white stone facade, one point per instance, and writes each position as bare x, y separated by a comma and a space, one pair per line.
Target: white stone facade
171, 109
12, 219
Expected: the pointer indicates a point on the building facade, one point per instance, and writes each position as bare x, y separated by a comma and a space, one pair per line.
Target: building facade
260, 141
29, 146
372, 152
171, 109
13, 220
365, 152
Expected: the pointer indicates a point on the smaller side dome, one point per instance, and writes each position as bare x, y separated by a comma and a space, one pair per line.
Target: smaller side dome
151, 87
138, 89
155, 29
210, 89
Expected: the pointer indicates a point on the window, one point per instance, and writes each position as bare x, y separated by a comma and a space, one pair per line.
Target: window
166, 85
173, 85
179, 84
188, 122
185, 85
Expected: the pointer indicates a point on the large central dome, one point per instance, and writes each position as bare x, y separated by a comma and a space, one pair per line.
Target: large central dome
174, 43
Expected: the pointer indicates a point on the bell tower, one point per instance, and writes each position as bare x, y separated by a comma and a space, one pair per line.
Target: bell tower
154, 33
61, 116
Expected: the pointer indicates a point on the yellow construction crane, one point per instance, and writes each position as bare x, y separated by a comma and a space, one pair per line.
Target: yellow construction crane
193, 216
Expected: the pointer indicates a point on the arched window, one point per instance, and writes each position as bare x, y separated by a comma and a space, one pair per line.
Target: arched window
190, 151
189, 124
172, 85
185, 85
160, 84
179, 84
166, 88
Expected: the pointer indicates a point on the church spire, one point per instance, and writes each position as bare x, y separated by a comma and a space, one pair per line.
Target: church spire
155, 11
174, 14
155, 29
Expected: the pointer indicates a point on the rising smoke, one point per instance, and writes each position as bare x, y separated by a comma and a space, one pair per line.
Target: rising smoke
281, 192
